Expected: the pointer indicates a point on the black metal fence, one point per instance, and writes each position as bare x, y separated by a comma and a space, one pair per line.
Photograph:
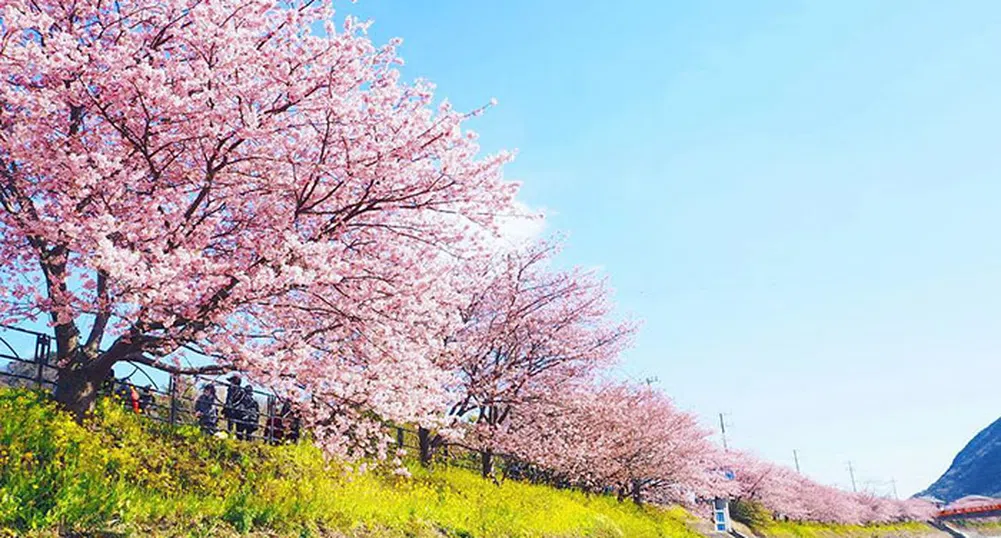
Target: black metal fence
25, 355
26, 360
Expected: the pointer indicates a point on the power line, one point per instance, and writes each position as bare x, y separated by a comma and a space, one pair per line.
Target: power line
883, 486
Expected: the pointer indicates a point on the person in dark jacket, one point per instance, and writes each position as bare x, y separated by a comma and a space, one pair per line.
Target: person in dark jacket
274, 430
292, 425
122, 393
108, 384
205, 410
146, 400
249, 414
231, 409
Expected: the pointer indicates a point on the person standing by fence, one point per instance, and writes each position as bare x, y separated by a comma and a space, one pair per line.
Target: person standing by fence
146, 400
249, 413
284, 426
231, 409
274, 430
205, 410
129, 396
292, 424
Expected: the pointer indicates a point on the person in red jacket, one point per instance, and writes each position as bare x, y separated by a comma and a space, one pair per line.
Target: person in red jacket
134, 399
129, 396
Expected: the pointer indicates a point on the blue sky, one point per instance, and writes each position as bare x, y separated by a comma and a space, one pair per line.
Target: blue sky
800, 200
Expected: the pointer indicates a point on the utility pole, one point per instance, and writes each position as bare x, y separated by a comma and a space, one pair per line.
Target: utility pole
893, 482
795, 458
722, 429
851, 472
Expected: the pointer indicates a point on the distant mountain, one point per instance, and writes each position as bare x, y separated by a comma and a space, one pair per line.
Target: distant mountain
976, 469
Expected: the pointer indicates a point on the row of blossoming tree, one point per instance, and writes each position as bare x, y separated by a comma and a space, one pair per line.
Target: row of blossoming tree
215, 185
633, 438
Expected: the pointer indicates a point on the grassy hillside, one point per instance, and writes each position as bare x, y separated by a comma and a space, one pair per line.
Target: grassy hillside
760, 523
821, 530
979, 527
124, 475
119, 475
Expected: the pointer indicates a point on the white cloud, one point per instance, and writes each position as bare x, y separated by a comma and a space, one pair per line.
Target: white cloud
523, 226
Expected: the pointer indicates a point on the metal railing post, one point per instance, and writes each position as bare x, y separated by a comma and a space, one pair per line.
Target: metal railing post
173, 400
269, 429
41, 357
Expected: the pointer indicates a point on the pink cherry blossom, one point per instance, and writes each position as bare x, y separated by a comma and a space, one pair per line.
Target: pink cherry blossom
219, 180
789, 494
527, 331
611, 434
218, 175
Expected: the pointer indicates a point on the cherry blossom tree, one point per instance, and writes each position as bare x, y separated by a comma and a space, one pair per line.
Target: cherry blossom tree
613, 434
223, 178
917, 510
775, 487
717, 479
601, 434
561, 434
528, 332
788, 494
219, 176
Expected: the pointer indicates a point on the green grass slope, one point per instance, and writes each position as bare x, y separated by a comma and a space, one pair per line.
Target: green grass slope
121, 475
979, 527
759, 522
822, 530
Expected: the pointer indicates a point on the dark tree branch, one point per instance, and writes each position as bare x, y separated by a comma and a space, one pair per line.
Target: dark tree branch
209, 369
103, 316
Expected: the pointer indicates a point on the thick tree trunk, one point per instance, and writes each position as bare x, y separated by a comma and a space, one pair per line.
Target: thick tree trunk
487, 460
77, 389
636, 493
424, 444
